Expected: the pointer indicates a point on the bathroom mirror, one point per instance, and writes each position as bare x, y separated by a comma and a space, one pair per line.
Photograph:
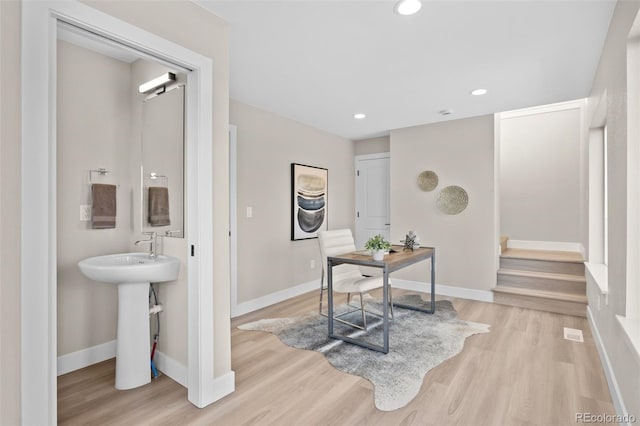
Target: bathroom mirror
163, 162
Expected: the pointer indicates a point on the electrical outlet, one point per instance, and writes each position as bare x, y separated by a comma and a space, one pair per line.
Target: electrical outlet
312, 264
85, 213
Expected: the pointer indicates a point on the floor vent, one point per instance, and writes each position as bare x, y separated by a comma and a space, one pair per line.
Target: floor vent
573, 334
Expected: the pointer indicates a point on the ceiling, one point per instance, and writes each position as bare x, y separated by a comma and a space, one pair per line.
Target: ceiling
320, 62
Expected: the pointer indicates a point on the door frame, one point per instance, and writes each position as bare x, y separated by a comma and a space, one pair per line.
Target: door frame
233, 218
38, 228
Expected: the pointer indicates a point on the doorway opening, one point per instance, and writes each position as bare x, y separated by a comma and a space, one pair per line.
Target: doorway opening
39, 251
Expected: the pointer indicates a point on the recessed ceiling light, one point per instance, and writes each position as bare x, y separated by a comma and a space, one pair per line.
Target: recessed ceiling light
445, 112
359, 116
479, 92
407, 7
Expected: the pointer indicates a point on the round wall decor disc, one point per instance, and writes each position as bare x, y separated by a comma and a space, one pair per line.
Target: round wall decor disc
452, 200
427, 180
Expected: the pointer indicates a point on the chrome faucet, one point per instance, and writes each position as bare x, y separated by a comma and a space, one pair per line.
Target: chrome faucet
152, 241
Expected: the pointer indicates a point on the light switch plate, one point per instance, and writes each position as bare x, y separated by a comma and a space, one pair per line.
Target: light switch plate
249, 211
85, 212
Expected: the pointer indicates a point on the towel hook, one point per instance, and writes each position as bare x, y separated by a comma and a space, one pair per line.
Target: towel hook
154, 176
101, 171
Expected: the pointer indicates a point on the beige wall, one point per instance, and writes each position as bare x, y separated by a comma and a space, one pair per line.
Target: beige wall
10, 222
93, 128
267, 144
372, 145
612, 77
461, 153
193, 27
540, 174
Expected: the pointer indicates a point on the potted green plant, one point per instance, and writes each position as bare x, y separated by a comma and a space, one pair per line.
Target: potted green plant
378, 246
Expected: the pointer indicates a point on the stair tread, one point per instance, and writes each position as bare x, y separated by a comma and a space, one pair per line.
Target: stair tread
540, 274
555, 295
548, 255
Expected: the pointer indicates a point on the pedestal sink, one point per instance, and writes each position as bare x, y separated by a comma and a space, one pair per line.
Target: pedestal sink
132, 272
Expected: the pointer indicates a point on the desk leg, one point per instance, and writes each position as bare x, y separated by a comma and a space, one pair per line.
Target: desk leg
385, 309
330, 295
433, 290
433, 281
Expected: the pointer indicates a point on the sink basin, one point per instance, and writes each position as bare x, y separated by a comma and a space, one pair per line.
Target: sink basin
130, 268
132, 272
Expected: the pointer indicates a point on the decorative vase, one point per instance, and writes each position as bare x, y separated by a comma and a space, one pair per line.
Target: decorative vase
378, 254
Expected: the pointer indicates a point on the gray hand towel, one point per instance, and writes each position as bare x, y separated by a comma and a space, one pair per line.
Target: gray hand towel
103, 209
159, 206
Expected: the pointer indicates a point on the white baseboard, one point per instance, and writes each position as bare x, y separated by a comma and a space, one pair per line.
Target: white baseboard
545, 245
95, 354
273, 298
616, 395
445, 290
172, 368
83, 358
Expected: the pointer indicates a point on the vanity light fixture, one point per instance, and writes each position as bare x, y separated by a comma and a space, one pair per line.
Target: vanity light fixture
479, 92
359, 116
163, 80
407, 7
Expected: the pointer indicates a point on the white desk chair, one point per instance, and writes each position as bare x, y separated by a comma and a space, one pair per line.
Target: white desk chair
346, 278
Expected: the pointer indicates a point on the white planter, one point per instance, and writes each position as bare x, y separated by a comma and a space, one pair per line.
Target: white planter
378, 254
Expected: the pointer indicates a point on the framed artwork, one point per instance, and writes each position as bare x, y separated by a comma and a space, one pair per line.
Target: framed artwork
309, 198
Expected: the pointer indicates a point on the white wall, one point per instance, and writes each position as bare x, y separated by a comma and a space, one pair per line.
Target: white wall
268, 261
623, 362
93, 127
540, 174
461, 153
372, 145
10, 212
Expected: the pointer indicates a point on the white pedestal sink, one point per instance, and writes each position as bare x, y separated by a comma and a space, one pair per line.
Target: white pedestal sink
132, 272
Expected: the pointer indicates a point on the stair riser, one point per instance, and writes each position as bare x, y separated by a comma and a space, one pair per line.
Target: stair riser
541, 304
543, 266
546, 284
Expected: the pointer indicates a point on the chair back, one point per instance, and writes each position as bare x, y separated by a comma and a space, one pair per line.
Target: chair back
334, 243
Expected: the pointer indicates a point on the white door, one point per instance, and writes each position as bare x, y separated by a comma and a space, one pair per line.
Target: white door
372, 197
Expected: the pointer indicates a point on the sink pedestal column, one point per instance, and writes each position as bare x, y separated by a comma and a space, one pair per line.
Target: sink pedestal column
133, 337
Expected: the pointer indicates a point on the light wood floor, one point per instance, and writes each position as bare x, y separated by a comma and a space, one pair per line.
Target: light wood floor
521, 373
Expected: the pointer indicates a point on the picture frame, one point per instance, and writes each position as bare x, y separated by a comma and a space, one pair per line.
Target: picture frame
309, 201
